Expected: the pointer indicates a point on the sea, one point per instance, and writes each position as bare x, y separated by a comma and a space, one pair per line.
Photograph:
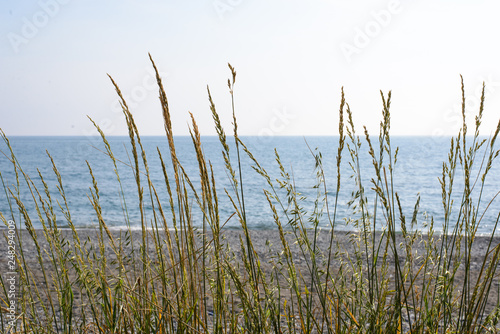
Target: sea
415, 175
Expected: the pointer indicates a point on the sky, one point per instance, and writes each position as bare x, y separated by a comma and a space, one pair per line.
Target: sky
292, 58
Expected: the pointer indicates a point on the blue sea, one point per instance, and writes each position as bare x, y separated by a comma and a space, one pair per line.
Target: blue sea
418, 167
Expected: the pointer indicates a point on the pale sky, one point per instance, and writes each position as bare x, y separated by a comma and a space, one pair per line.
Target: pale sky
291, 57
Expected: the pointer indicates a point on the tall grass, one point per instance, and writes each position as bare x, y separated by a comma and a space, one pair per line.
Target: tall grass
176, 275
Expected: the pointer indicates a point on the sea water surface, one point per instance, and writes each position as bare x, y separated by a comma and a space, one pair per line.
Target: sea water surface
417, 172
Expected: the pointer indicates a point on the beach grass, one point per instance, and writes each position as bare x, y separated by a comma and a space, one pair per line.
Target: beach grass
388, 274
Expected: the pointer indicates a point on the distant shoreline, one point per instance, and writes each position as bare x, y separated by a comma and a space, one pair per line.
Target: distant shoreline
233, 229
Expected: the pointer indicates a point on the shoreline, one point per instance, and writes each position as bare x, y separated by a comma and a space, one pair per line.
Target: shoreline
259, 230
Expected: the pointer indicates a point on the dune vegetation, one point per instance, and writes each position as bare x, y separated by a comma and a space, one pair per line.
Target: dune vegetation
176, 275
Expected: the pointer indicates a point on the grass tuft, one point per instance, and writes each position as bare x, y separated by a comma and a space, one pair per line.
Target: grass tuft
391, 273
